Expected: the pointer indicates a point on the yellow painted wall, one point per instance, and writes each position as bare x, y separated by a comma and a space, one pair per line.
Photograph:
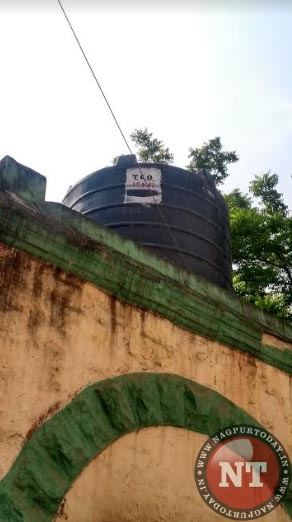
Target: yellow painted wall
145, 476
59, 334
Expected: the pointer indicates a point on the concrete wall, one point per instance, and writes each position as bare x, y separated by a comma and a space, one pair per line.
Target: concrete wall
145, 476
58, 334
79, 306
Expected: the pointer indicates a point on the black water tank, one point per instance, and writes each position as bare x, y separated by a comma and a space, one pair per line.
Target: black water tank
178, 215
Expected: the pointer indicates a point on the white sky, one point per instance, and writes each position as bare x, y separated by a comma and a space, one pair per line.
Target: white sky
187, 73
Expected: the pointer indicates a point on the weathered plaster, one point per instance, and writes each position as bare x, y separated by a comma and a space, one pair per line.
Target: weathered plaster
78, 246
276, 342
58, 334
144, 476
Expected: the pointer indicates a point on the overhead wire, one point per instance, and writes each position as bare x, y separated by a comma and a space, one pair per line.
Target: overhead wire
120, 130
94, 76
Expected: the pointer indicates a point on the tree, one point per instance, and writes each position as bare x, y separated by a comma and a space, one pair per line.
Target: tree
149, 148
262, 246
212, 158
237, 200
263, 187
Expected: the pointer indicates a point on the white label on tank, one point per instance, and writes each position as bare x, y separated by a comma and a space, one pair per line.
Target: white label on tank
143, 185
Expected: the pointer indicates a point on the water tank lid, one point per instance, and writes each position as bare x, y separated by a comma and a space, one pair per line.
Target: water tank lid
126, 161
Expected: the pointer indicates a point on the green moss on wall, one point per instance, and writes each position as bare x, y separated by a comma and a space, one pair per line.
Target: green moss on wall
23, 181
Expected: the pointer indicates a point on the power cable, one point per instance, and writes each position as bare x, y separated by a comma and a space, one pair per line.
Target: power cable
120, 130
94, 76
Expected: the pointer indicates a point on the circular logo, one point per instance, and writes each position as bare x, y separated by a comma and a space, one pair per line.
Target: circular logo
242, 472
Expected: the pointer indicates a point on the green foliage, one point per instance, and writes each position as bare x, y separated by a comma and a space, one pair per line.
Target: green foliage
237, 200
262, 246
149, 148
263, 187
212, 158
